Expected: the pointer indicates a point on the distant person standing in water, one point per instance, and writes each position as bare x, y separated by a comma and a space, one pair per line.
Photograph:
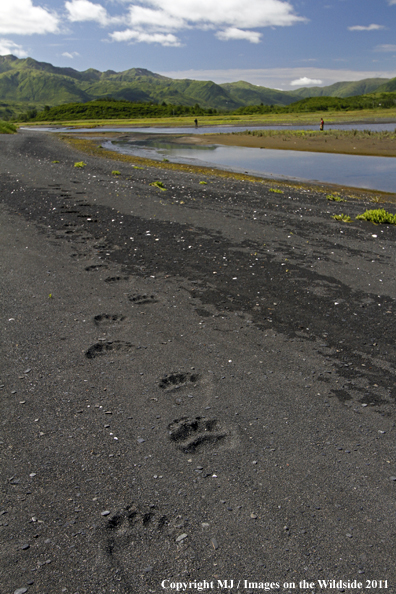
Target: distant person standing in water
196, 123
321, 124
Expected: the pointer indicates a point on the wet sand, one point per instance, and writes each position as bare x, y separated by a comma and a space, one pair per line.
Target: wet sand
196, 383
328, 142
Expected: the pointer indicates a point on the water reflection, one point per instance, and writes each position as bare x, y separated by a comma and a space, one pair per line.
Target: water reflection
376, 173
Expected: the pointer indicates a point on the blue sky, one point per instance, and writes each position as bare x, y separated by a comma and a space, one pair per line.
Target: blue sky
274, 43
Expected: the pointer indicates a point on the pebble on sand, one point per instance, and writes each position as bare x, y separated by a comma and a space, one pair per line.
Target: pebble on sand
214, 543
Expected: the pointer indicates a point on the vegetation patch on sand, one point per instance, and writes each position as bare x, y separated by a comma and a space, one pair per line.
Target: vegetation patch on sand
7, 128
335, 198
342, 217
378, 216
159, 185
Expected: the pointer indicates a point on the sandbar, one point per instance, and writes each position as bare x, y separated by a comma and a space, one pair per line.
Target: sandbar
327, 142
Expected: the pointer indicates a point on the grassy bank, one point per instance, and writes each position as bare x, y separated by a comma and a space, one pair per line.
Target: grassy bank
358, 116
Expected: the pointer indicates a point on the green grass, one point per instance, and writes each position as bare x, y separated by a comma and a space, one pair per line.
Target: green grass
80, 164
378, 216
276, 191
342, 217
115, 172
7, 128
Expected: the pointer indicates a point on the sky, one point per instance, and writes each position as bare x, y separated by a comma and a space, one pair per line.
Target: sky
273, 43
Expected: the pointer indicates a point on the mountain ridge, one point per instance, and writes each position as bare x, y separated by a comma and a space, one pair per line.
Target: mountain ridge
28, 81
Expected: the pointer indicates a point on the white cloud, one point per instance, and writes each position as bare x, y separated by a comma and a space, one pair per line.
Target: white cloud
369, 28
21, 17
304, 81
146, 17
386, 47
229, 18
234, 33
70, 54
9, 47
142, 37
232, 13
390, 2
83, 10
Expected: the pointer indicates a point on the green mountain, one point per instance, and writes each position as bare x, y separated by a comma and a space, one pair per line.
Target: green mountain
342, 89
27, 84
39, 82
387, 87
245, 93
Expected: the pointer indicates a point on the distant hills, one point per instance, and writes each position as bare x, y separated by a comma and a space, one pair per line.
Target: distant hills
27, 84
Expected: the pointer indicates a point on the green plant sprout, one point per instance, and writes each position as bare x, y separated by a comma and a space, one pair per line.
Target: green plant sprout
80, 164
159, 185
276, 191
335, 198
342, 217
203, 183
54, 161
115, 172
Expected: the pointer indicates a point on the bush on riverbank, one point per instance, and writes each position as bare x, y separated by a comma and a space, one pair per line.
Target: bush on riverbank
7, 128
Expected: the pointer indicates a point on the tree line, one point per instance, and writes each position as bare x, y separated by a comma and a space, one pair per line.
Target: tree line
107, 109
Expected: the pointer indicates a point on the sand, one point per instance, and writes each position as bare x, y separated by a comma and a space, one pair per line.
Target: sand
197, 384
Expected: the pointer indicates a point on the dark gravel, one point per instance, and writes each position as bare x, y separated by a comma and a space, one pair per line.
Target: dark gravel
196, 384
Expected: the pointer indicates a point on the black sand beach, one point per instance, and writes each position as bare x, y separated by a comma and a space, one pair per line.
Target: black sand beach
197, 384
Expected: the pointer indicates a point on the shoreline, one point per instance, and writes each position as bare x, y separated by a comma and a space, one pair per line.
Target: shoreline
92, 145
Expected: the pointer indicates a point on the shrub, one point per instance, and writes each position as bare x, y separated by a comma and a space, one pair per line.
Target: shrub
378, 216
7, 128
